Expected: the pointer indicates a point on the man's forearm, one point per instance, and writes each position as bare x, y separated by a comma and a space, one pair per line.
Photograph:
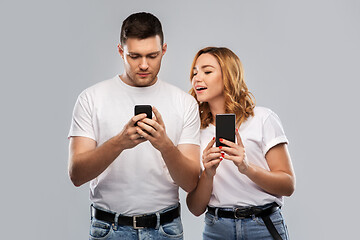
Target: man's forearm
87, 165
183, 170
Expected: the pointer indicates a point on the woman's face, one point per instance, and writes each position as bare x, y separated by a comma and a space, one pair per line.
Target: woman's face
207, 81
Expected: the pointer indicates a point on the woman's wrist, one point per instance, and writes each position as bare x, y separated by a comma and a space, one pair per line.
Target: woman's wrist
244, 168
208, 176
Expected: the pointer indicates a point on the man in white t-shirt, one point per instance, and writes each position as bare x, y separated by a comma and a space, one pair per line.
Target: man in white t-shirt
135, 170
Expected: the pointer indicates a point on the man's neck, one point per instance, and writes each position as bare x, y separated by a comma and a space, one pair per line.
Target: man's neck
126, 79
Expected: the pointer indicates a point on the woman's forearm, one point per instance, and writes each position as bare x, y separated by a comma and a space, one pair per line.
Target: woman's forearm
198, 199
277, 182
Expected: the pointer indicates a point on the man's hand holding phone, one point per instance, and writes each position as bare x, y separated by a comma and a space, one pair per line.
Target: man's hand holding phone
129, 137
154, 131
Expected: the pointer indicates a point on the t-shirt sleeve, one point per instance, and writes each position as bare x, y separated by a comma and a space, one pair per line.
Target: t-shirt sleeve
273, 133
191, 126
81, 124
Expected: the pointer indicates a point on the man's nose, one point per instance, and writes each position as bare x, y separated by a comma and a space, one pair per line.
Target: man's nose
144, 64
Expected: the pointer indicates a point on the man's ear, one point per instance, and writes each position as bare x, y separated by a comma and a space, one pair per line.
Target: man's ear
164, 48
121, 50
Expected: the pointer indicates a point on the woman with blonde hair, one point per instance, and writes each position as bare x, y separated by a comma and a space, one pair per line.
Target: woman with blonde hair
243, 183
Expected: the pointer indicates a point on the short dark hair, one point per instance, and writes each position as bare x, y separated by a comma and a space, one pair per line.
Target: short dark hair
141, 25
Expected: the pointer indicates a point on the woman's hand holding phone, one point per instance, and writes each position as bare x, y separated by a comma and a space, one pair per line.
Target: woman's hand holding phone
236, 153
211, 158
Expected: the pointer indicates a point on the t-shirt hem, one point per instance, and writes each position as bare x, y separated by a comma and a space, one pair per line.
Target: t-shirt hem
189, 142
80, 134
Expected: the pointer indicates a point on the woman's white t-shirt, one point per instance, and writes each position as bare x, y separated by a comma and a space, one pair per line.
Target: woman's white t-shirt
259, 134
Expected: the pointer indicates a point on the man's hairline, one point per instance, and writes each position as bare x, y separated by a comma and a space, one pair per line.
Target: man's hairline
162, 44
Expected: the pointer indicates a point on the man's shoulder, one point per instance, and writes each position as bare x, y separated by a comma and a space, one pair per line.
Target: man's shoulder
170, 86
172, 89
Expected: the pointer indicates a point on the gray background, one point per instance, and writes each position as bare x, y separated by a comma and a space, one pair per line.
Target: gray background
301, 59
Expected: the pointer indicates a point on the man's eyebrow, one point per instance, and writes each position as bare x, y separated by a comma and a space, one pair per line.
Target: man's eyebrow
152, 53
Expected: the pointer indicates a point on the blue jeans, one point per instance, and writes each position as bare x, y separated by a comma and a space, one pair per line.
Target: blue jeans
242, 229
103, 230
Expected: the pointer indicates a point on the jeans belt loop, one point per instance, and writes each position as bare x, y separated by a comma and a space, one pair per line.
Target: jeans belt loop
157, 220
91, 211
216, 213
134, 222
116, 223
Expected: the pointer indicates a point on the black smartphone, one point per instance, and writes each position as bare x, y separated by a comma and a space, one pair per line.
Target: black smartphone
225, 128
143, 109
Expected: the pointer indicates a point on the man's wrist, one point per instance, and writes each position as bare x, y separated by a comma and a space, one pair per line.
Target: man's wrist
168, 148
116, 143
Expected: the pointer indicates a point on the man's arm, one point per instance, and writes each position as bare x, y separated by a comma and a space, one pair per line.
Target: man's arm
182, 161
87, 161
183, 164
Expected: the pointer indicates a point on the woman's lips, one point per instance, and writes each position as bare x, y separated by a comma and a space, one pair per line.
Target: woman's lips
200, 89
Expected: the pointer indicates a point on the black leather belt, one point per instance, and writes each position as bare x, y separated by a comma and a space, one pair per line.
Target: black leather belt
138, 221
246, 212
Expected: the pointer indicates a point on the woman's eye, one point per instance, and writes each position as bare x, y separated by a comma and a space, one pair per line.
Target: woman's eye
194, 74
153, 56
208, 72
133, 57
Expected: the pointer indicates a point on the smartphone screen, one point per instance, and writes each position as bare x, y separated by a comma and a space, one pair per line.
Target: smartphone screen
143, 109
225, 128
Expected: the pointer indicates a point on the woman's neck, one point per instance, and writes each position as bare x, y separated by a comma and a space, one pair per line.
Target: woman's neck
217, 107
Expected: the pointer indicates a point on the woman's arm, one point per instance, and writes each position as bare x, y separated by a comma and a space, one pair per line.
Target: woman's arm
198, 199
280, 180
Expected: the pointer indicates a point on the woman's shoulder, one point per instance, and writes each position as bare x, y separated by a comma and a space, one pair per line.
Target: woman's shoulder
262, 112
263, 115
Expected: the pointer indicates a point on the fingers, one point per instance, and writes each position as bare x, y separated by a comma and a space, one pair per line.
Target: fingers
210, 144
238, 138
215, 163
228, 143
136, 118
144, 134
156, 123
148, 126
233, 151
212, 156
232, 144
158, 116
137, 138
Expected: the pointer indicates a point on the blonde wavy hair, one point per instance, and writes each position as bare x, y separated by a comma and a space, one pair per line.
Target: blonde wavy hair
238, 99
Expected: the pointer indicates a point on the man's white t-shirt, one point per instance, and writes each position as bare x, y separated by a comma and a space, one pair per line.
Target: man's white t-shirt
259, 134
138, 181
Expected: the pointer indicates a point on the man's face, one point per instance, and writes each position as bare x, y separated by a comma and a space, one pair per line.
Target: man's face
142, 60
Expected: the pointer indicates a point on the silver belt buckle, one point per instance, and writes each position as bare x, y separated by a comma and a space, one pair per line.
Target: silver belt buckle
236, 210
134, 222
